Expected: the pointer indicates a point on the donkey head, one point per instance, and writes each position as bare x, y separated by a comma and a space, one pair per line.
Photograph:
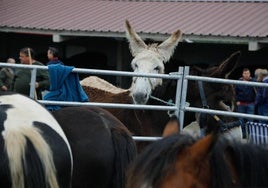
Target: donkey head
148, 59
218, 96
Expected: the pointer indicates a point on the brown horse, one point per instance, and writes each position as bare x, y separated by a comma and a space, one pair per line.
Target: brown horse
152, 122
212, 161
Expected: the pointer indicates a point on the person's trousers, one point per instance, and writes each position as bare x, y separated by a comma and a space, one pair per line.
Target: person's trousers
247, 109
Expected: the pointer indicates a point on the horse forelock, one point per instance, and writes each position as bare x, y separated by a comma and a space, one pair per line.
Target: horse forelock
153, 47
150, 57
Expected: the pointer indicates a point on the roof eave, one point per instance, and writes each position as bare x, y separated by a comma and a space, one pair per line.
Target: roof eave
155, 36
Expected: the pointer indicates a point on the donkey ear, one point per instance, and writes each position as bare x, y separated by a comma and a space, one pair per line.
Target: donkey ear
227, 66
136, 44
166, 48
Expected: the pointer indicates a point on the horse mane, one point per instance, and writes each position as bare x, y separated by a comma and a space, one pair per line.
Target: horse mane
250, 162
158, 161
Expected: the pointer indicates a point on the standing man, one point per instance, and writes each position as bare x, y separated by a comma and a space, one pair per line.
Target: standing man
53, 56
245, 98
22, 77
6, 76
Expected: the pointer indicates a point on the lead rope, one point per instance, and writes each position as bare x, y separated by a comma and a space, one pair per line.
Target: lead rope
205, 105
169, 102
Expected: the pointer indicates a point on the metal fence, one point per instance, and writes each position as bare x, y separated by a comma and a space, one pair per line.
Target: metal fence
180, 107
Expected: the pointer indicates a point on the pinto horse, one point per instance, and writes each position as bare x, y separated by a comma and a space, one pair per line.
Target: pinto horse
34, 149
102, 146
212, 161
151, 122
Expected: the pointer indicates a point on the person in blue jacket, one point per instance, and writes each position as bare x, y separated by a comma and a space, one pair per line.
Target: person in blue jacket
245, 98
262, 96
53, 56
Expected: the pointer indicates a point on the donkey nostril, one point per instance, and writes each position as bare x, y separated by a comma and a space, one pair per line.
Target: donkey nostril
140, 98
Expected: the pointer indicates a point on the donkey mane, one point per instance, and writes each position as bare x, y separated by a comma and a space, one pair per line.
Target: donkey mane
101, 84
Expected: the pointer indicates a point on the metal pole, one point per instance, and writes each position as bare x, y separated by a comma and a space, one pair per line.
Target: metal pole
32, 84
178, 92
183, 96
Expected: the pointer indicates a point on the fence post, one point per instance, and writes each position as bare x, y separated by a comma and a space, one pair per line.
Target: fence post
32, 84
178, 92
183, 95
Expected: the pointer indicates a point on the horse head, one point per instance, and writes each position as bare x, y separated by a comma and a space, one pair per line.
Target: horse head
210, 161
148, 59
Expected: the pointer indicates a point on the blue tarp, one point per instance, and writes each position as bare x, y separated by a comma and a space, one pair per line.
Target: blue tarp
64, 86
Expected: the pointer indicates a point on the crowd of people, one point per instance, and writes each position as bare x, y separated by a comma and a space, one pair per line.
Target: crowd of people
250, 99
18, 80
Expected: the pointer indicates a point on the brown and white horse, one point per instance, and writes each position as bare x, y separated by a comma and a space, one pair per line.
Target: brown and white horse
34, 150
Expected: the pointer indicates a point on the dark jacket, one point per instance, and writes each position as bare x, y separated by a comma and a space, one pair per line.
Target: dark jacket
245, 93
6, 77
55, 61
22, 81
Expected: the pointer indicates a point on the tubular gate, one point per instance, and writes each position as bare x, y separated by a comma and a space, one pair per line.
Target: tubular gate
180, 107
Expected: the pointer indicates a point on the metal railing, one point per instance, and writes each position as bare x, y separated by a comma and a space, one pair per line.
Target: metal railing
177, 76
180, 106
183, 108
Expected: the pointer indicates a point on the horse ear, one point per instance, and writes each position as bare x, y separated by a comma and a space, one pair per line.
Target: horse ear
172, 126
166, 48
227, 66
136, 44
200, 151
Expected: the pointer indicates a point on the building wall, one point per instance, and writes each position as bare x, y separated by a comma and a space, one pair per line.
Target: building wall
114, 54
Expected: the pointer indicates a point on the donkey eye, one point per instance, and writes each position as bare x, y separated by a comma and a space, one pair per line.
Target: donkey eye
134, 79
134, 66
157, 68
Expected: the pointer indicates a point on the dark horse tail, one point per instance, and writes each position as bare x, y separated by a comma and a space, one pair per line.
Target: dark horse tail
125, 153
30, 158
